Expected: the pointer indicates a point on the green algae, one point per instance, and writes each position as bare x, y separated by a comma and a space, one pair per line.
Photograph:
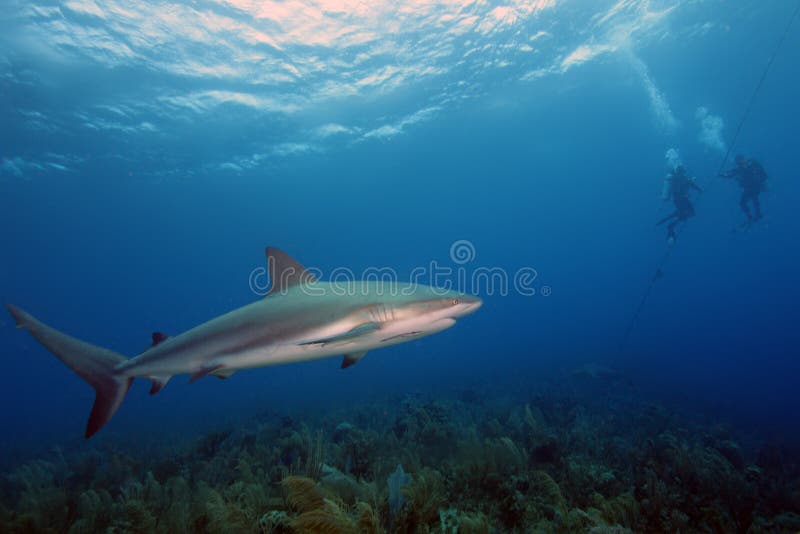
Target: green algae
548, 465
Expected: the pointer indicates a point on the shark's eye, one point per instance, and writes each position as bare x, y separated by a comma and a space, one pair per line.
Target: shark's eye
454, 302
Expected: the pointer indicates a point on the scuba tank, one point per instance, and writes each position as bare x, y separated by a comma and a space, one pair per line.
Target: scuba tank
759, 176
666, 187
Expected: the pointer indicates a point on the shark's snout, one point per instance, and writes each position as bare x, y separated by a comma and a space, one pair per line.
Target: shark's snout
474, 305
467, 304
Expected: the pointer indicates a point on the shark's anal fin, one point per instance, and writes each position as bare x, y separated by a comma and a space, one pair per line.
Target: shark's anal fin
158, 383
285, 272
203, 371
352, 359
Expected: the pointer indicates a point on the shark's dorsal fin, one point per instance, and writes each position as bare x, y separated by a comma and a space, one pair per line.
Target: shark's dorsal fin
285, 271
352, 359
158, 337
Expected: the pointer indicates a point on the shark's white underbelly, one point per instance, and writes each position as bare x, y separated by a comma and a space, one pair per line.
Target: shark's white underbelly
278, 354
246, 345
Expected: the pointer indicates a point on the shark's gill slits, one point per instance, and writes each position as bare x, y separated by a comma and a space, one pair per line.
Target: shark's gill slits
379, 313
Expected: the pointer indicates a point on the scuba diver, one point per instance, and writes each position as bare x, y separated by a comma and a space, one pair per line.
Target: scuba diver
753, 180
677, 186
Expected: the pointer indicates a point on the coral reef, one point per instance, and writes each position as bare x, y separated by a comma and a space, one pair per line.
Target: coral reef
547, 463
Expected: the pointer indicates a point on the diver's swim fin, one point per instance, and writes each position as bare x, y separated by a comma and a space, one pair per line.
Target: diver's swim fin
744, 226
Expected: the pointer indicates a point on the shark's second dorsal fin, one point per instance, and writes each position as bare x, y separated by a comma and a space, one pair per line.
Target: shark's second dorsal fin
285, 271
158, 337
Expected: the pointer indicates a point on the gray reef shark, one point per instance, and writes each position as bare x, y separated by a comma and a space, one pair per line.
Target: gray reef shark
300, 318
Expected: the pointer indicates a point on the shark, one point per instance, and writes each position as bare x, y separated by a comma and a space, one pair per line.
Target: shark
299, 319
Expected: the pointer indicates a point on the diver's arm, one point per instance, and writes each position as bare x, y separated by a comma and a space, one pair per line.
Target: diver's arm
693, 185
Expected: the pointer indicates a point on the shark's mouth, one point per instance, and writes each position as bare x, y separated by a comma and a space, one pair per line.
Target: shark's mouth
435, 326
441, 324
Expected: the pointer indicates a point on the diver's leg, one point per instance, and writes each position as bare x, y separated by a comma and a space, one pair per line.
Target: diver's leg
757, 205
671, 230
743, 204
668, 217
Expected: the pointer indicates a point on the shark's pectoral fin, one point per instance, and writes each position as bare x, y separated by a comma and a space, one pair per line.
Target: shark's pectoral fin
352, 359
158, 383
203, 371
402, 336
360, 330
224, 373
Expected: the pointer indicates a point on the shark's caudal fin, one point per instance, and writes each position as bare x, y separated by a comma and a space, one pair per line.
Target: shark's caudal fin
93, 364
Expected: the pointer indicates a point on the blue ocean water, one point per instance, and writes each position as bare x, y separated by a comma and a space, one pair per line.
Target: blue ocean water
149, 154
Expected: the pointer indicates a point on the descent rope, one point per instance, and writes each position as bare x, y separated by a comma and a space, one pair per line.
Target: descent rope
659, 273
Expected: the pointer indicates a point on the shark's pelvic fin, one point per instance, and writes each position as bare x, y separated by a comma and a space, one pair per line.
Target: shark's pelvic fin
285, 271
92, 363
203, 371
352, 359
217, 370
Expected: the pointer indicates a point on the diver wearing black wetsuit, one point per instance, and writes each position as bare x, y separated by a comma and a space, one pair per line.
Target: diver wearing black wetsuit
752, 179
680, 185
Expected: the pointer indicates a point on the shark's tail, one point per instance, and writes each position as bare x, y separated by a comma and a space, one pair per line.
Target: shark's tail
93, 364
